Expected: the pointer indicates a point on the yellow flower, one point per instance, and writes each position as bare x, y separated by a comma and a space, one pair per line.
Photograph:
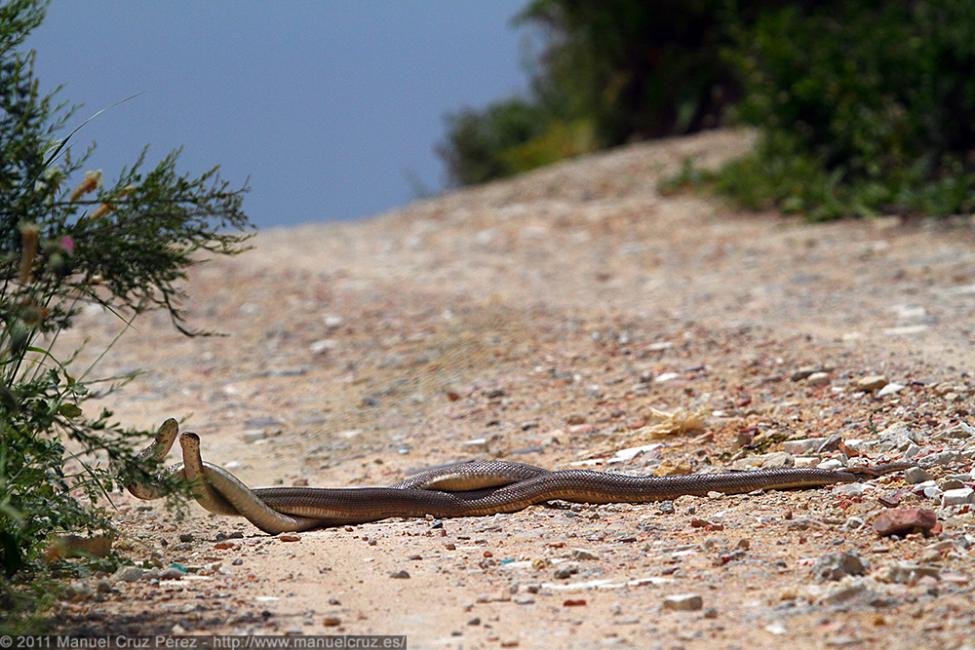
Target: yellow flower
93, 180
102, 210
28, 251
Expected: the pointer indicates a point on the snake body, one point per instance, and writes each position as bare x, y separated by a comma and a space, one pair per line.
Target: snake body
474, 488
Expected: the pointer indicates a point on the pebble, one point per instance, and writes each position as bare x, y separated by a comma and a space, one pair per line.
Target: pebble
901, 521
807, 371
262, 423
523, 599
830, 463
400, 575
129, 574
853, 523
802, 447
333, 321
910, 573
683, 602
848, 589
851, 489
253, 436
890, 389
565, 572
331, 621
958, 497
942, 458
818, 379
870, 383
583, 554
172, 573
834, 566
665, 507
476, 445
914, 475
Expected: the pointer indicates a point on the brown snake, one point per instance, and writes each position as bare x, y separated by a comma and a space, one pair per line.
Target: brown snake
466, 489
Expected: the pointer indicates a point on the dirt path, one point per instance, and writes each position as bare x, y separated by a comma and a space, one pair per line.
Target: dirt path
541, 319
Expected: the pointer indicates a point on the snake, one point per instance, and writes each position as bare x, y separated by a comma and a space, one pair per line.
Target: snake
462, 489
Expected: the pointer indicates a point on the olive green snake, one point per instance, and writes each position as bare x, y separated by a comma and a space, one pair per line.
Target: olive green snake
473, 488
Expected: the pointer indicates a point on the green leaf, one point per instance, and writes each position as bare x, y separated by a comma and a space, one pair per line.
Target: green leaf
69, 410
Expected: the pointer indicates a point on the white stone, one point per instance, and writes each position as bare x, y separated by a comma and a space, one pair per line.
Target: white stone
890, 389
683, 602
958, 497
802, 446
831, 463
818, 379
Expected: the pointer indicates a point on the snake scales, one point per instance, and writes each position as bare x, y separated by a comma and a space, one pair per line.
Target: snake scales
474, 488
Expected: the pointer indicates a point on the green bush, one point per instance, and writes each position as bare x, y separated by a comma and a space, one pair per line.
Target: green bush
608, 73
478, 141
66, 242
864, 107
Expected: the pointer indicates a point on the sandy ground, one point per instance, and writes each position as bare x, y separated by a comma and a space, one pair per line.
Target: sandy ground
542, 319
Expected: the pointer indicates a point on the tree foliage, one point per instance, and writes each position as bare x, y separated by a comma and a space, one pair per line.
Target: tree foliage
67, 240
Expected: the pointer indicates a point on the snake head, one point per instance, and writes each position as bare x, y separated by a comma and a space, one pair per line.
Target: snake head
139, 479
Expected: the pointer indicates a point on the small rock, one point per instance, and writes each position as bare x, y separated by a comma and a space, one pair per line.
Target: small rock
818, 379
831, 463
479, 445
834, 566
331, 621
870, 383
523, 599
847, 590
890, 389
802, 447
321, 346
583, 554
129, 574
172, 573
186, 537
333, 321
262, 423
665, 507
807, 371
910, 573
254, 436
851, 489
958, 497
683, 602
853, 523
78, 591
914, 475
942, 458
950, 483
901, 521
287, 537
400, 575
566, 571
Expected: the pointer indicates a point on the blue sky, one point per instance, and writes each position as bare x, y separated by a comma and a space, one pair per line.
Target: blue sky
327, 106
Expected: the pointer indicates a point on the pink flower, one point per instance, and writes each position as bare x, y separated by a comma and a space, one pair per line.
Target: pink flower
67, 243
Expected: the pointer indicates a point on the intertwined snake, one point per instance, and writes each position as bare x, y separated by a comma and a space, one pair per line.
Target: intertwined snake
473, 488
